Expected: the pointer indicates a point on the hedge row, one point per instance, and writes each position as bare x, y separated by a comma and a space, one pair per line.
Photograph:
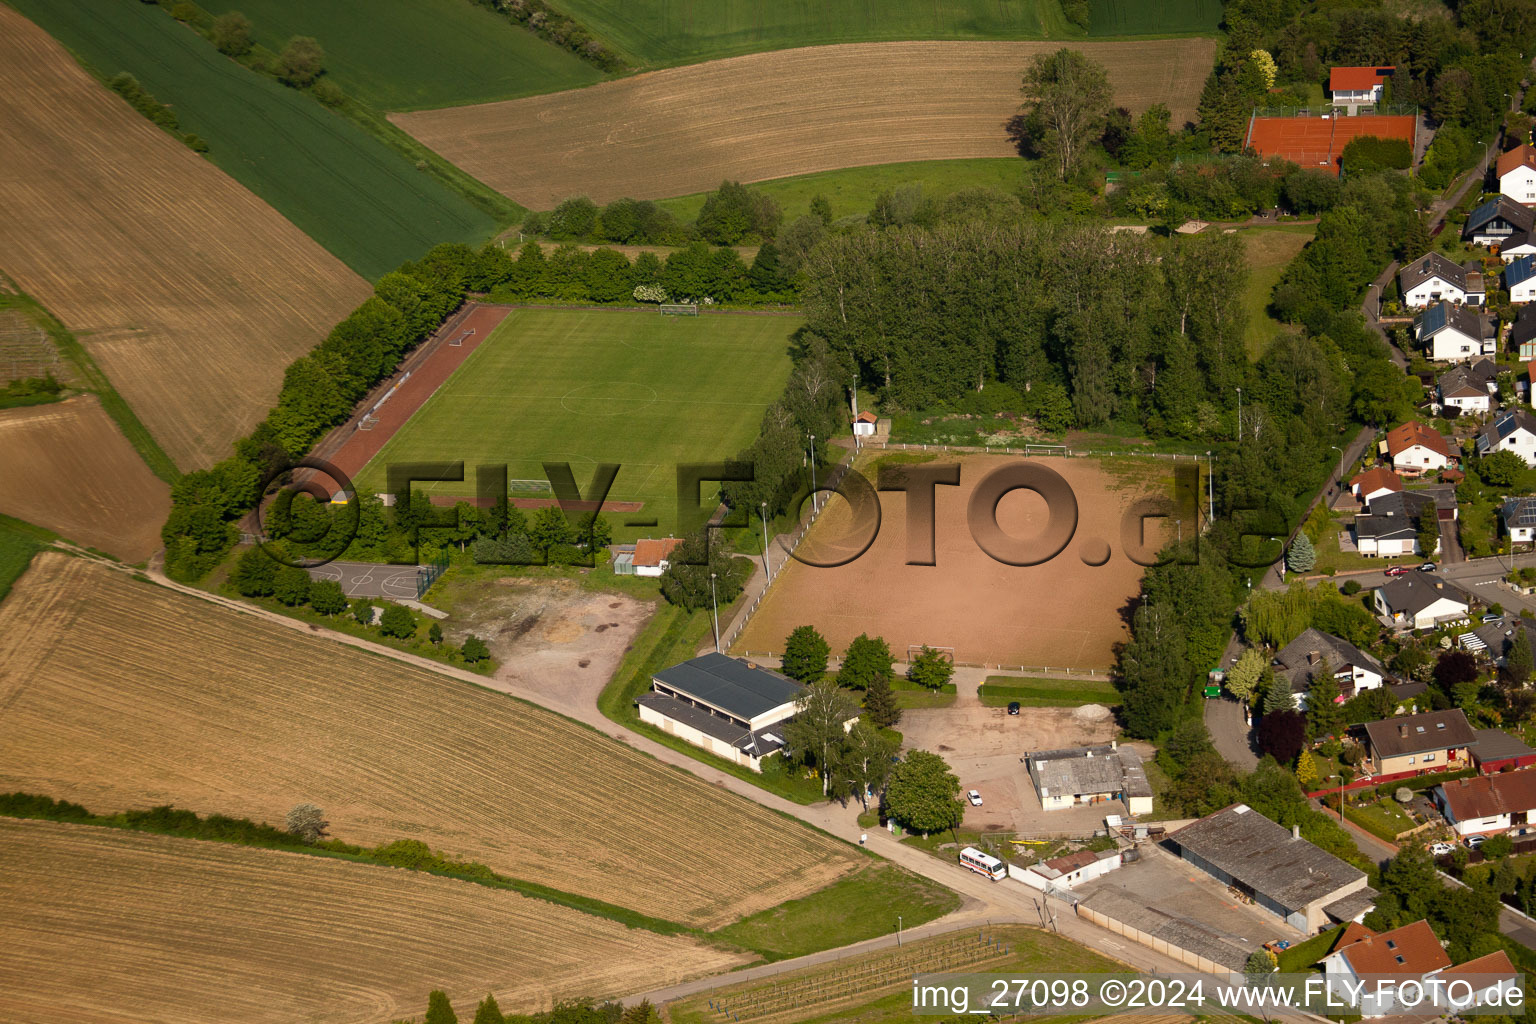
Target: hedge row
695, 273
319, 391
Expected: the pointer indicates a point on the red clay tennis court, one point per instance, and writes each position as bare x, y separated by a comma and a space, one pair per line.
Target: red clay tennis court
1320, 141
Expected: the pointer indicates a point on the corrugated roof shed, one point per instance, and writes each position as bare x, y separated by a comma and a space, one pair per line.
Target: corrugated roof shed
1265, 856
730, 685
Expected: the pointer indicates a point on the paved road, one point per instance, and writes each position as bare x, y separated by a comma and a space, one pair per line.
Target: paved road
1273, 578
1230, 734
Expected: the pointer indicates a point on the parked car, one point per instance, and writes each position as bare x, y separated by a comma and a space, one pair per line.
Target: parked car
1441, 849
1428, 567
975, 799
1397, 570
1013, 707
1473, 842
1491, 618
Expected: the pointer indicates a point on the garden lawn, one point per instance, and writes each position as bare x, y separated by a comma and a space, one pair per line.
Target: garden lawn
861, 906
345, 189
1300, 957
415, 54
1382, 819
1166, 17
999, 691
852, 191
632, 387
1269, 251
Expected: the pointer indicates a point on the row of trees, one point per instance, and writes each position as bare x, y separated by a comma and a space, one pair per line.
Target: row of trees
580, 1011
734, 213
319, 391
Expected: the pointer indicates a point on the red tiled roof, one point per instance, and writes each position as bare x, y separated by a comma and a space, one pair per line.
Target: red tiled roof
1354, 79
865, 417
1072, 861
1376, 479
1489, 795
1530, 369
1520, 155
1497, 962
1400, 439
654, 552
1412, 949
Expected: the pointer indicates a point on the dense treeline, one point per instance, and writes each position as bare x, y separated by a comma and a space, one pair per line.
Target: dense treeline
558, 28
142, 100
319, 391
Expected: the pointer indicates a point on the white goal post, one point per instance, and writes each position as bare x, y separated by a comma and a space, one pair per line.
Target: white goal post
678, 309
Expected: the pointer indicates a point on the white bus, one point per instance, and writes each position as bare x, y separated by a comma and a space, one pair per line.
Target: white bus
982, 864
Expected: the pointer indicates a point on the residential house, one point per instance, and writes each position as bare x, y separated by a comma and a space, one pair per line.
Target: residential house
1389, 526
1497, 751
1519, 518
1430, 278
1492, 977
1415, 449
1281, 872
1488, 804
1415, 744
1453, 334
1470, 387
1513, 430
1090, 775
1420, 601
1360, 956
1069, 871
1496, 220
1521, 243
1357, 87
1355, 670
731, 708
1521, 338
1520, 279
1373, 483
1496, 638
1516, 171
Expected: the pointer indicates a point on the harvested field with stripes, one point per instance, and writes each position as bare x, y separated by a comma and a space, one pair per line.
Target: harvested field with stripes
190, 292
103, 925
66, 466
121, 694
771, 115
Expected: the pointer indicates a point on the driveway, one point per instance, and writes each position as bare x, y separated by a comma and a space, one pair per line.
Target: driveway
1231, 735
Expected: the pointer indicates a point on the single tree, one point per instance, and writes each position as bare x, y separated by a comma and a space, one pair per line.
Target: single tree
1517, 663
818, 729
307, 823
1302, 556
488, 1012
327, 597
1261, 964
255, 573
474, 650
1277, 694
1429, 530
301, 62
439, 1010
1281, 735
1306, 769
362, 611
821, 209
435, 634
1244, 676
232, 34
550, 528
866, 760
1454, 667
398, 622
1068, 96
1325, 713
923, 795
593, 531
291, 586
866, 660
931, 669
805, 655
880, 703
641, 1013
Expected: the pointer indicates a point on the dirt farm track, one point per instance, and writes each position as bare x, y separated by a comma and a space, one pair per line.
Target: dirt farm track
772, 115
190, 292
107, 926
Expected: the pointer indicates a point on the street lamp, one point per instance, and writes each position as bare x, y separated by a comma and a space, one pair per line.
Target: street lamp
714, 611
1239, 415
1341, 464
898, 929
814, 505
767, 573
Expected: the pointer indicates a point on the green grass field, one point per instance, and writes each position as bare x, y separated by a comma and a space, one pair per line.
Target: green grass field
19, 541
592, 386
415, 54
852, 190
342, 187
999, 691
1139, 17
1269, 251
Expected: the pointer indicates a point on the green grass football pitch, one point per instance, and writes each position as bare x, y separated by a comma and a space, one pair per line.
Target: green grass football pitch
592, 386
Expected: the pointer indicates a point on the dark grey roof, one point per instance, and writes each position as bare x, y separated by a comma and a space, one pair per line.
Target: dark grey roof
1412, 734
1524, 327
1500, 636
1431, 264
1504, 424
1418, 590
760, 744
1088, 770
1518, 270
1352, 906
1517, 239
1443, 315
731, 685
1519, 512
1478, 374
1500, 208
1265, 856
1296, 657
1113, 901
1496, 744
1393, 515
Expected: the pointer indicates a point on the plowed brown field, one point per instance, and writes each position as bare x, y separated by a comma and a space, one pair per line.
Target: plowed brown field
118, 694
66, 466
771, 115
107, 926
191, 293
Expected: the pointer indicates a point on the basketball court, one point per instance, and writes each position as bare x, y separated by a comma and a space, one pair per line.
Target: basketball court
364, 579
